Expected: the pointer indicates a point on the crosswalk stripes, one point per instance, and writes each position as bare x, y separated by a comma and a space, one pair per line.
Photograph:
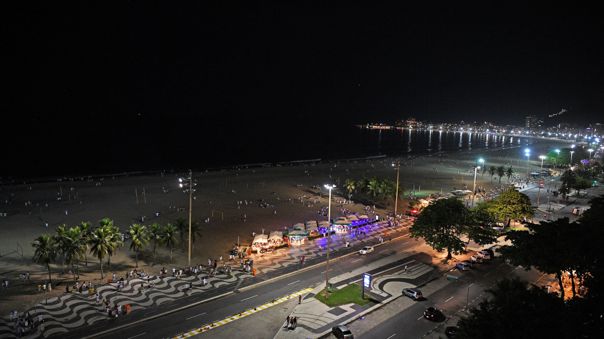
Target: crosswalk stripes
244, 314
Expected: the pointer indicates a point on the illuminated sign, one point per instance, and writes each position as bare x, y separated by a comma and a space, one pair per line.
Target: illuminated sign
366, 280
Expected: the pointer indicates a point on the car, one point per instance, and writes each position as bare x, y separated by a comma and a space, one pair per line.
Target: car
451, 331
413, 293
490, 251
341, 332
462, 266
433, 314
477, 259
484, 254
366, 250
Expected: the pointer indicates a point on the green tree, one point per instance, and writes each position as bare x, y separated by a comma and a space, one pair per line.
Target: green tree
568, 180
500, 172
86, 228
100, 244
509, 172
45, 251
116, 240
510, 204
581, 183
442, 224
155, 234
169, 237
350, 186
373, 187
195, 233
515, 311
72, 246
182, 226
139, 238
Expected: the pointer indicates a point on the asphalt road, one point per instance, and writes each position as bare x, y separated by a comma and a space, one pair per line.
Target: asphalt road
221, 308
410, 322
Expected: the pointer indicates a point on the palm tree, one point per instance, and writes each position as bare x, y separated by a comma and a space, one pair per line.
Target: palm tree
139, 237
195, 232
350, 186
100, 244
492, 171
72, 247
169, 237
115, 237
86, 228
509, 173
500, 172
44, 251
155, 233
373, 187
61, 240
182, 227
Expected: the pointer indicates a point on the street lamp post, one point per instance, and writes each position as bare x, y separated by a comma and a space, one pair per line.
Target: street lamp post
476, 168
542, 157
329, 187
527, 153
190, 208
397, 164
590, 151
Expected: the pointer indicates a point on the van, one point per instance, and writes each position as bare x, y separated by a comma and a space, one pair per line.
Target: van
413, 293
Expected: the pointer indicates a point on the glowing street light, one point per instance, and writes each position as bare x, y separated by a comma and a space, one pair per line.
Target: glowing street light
329, 187
542, 157
590, 151
476, 168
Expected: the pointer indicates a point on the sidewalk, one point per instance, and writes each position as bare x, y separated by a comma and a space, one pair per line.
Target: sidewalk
316, 319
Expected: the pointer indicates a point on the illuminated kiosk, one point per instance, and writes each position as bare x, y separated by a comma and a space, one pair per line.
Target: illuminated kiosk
260, 243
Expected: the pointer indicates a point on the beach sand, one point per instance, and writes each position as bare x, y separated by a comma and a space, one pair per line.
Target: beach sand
217, 193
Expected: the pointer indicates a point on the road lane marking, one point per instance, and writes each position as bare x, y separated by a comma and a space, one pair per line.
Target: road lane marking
138, 335
449, 299
420, 317
294, 282
355, 260
195, 316
244, 314
254, 296
391, 336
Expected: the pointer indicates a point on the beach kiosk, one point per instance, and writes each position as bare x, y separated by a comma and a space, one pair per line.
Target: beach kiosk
312, 228
341, 225
275, 239
324, 227
297, 237
260, 243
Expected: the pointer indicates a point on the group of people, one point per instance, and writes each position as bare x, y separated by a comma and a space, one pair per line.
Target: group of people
85, 286
24, 323
291, 323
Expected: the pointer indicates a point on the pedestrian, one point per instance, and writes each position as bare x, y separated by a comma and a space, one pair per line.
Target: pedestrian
287, 322
295, 322
299, 299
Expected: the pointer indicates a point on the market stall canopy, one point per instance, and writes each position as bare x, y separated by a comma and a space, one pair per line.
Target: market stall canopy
352, 217
363, 216
299, 226
260, 238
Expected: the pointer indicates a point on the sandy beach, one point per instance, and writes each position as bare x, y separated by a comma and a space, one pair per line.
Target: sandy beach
287, 190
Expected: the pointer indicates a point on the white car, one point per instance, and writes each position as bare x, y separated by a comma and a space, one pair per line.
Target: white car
366, 250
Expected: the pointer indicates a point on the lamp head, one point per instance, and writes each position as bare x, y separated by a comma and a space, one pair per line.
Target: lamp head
329, 187
481, 161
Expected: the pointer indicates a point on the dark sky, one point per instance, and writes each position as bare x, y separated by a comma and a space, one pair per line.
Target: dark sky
82, 73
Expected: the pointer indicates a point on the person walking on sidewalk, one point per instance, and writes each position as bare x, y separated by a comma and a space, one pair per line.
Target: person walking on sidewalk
287, 322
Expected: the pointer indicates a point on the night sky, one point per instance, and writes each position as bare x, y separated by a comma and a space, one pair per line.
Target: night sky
137, 85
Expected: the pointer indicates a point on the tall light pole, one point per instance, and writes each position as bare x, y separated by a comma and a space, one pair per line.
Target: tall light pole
590, 151
482, 164
476, 168
329, 187
557, 150
397, 164
542, 157
527, 153
572, 150
180, 180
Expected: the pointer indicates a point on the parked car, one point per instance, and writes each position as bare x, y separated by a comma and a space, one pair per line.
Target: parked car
413, 293
341, 332
476, 259
433, 314
366, 250
484, 254
462, 266
451, 331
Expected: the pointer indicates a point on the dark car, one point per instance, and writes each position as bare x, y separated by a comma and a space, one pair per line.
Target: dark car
341, 332
451, 331
433, 314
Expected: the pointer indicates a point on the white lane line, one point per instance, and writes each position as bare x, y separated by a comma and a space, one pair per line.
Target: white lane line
254, 296
195, 316
355, 260
138, 335
391, 336
449, 299
294, 282
420, 317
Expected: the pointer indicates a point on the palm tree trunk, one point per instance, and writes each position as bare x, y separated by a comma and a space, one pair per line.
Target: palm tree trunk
109, 262
154, 247
101, 262
170, 254
136, 258
449, 255
48, 267
572, 281
559, 276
